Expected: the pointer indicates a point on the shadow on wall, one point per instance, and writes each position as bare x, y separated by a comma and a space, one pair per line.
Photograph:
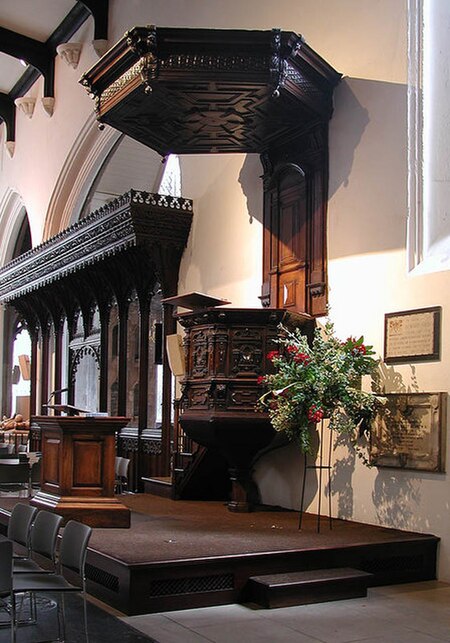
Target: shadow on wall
387, 380
341, 479
350, 119
396, 493
396, 496
347, 126
251, 183
368, 168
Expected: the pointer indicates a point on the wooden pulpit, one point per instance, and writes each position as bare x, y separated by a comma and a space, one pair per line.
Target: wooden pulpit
226, 353
77, 475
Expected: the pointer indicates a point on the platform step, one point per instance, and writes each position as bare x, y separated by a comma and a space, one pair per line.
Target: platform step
312, 586
158, 486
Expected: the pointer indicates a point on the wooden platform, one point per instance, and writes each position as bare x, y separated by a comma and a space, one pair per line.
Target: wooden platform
183, 554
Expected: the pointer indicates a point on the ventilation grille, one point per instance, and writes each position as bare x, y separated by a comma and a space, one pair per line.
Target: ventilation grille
196, 585
101, 577
394, 563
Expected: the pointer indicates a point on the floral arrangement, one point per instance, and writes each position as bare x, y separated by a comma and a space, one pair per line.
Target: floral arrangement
316, 381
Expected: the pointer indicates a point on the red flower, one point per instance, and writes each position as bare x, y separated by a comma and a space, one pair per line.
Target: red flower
291, 349
261, 379
355, 349
302, 358
315, 414
272, 355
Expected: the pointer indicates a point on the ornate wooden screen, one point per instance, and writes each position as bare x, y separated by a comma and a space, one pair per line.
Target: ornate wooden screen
131, 247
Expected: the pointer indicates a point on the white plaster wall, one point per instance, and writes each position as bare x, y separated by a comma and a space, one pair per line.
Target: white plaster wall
43, 143
366, 41
223, 257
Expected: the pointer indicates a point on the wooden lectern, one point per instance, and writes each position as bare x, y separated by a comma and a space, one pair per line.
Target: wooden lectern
77, 476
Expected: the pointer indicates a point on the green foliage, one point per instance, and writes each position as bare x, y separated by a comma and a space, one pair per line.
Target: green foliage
317, 381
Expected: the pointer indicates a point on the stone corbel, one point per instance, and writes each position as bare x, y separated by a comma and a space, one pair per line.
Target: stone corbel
26, 105
100, 46
10, 147
70, 53
48, 103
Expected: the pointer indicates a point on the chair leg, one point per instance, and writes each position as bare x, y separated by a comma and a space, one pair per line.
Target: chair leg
13, 618
85, 614
61, 619
33, 610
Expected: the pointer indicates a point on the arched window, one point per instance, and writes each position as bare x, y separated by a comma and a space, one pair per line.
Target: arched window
16, 341
170, 183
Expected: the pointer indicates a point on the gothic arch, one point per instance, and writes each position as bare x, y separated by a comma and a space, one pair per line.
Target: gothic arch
82, 165
12, 213
15, 228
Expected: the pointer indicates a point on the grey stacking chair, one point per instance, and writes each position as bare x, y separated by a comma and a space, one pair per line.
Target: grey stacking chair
72, 558
117, 462
19, 525
43, 535
122, 475
6, 584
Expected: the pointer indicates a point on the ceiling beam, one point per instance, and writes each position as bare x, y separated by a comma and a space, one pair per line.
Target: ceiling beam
63, 32
40, 56
8, 115
99, 10
33, 52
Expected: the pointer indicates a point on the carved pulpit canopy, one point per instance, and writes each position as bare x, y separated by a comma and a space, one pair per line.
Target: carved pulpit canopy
128, 244
183, 90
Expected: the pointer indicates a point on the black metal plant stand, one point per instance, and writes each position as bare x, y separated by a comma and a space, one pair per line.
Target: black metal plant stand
320, 468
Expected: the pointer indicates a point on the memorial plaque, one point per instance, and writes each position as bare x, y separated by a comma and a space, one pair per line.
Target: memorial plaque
412, 336
409, 432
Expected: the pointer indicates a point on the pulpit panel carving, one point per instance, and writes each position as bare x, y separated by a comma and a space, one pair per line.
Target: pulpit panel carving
220, 353
243, 397
247, 359
198, 397
199, 354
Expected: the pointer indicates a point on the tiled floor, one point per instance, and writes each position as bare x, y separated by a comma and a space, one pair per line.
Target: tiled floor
102, 624
413, 613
